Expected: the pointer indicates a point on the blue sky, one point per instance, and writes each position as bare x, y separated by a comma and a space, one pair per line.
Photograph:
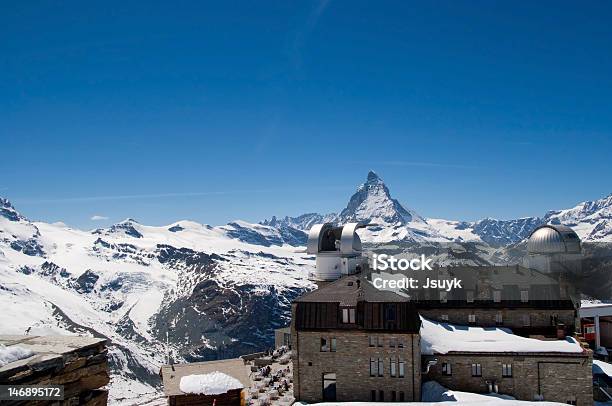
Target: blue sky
214, 111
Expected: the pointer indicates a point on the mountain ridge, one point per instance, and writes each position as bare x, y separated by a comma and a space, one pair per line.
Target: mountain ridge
372, 201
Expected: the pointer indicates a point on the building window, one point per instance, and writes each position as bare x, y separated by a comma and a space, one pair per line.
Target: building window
393, 369
373, 367
380, 367
444, 317
401, 368
390, 312
499, 318
393, 396
476, 370
400, 343
497, 296
333, 345
401, 396
446, 369
443, 298
373, 395
324, 345
348, 316
392, 342
379, 341
372, 341
507, 370
469, 295
524, 296
381, 396
526, 320
472, 318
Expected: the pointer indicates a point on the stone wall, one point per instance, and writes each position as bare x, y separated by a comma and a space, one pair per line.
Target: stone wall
279, 336
351, 364
560, 378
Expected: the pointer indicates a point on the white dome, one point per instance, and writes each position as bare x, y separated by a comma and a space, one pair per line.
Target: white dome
553, 239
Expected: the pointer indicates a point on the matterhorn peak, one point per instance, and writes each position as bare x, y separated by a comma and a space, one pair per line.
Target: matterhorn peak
372, 202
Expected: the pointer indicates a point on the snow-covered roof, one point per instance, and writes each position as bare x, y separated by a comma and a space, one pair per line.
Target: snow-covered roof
442, 338
600, 367
214, 383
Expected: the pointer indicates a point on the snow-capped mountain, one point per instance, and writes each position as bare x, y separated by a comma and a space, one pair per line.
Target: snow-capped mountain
592, 220
303, 222
372, 203
220, 291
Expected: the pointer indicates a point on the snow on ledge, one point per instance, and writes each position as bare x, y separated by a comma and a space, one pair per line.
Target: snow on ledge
442, 338
600, 367
214, 383
12, 354
434, 394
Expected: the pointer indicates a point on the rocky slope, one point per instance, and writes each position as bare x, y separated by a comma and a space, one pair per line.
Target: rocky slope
213, 291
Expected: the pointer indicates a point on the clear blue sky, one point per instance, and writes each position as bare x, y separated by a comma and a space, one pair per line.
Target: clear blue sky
214, 111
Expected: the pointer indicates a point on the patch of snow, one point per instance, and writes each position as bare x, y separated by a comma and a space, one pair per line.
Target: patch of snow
13, 353
214, 383
434, 394
442, 338
600, 367
595, 303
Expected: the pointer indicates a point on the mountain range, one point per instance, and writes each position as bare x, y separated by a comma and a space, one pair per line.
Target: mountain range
196, 292
372, 203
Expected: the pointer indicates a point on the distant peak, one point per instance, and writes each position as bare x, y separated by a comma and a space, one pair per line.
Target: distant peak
5, 202
8, 211
129, 220
373, 177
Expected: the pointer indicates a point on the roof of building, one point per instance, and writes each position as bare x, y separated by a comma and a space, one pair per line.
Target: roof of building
552, 239
444, 338
348, 291
172, 374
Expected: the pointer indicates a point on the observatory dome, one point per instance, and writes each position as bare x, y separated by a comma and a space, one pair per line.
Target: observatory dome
553, 239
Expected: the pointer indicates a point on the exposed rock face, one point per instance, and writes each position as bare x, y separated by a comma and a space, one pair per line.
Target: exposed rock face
79, 364
126, 227
265, 235
8, 211
29, 247
504, 232
86, 282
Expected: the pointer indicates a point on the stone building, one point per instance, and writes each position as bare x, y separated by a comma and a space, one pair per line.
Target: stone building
282, 337
528, 301
353, 342
484, 360
564, 378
